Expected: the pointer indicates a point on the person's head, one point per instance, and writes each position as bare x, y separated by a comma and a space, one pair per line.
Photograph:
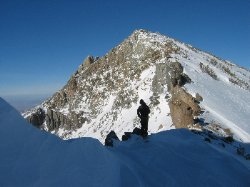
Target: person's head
142, 102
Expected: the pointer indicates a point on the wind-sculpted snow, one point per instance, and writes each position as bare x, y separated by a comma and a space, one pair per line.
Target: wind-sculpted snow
30, 157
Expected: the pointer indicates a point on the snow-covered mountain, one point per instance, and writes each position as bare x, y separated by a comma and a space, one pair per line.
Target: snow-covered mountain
183, 86
30, 157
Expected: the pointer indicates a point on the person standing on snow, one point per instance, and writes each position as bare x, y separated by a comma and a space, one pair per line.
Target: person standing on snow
143, 112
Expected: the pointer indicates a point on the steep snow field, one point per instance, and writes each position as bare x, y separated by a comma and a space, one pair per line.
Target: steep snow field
30, 157
224, 102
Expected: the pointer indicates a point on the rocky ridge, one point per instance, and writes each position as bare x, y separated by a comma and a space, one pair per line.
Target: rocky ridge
103, 94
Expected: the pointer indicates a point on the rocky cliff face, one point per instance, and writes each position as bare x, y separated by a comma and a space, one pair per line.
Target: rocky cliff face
103, 94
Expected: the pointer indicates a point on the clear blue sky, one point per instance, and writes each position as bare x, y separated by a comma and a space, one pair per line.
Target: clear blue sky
43, 42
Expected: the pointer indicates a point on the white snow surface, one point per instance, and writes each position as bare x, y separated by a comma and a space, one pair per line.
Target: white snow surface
30, 157
223, 102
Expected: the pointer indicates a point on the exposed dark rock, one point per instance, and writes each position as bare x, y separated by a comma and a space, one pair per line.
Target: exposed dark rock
208, 70
110, 139
228, 139
184, 79
37, 118
55, 119
126, 136
241, 83
137, 131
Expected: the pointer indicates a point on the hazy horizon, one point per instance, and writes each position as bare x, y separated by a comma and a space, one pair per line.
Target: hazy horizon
25, 102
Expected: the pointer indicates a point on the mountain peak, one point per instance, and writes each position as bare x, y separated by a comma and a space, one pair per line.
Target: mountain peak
184, 87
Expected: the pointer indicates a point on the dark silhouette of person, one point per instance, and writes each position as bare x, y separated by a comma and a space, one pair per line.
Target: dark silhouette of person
143, 112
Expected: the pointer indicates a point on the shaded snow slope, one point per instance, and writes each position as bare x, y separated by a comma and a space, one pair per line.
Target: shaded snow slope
30, 157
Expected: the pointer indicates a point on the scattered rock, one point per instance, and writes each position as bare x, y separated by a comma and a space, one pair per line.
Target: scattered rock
228, 139
208, 70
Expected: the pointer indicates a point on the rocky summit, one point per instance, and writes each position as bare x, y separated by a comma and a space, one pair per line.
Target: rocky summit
183, 86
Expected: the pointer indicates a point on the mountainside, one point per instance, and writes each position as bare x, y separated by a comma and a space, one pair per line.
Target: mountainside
30, 157
183, 86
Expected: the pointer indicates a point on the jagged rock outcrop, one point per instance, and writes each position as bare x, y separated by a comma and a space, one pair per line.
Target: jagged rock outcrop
37, 118
55, 119
183, 106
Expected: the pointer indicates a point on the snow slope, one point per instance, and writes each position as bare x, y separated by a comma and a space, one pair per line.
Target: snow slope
30, 157
224, 103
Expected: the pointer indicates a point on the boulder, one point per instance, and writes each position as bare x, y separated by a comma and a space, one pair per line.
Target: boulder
110, 138
137, 131
198, 97
126, 136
